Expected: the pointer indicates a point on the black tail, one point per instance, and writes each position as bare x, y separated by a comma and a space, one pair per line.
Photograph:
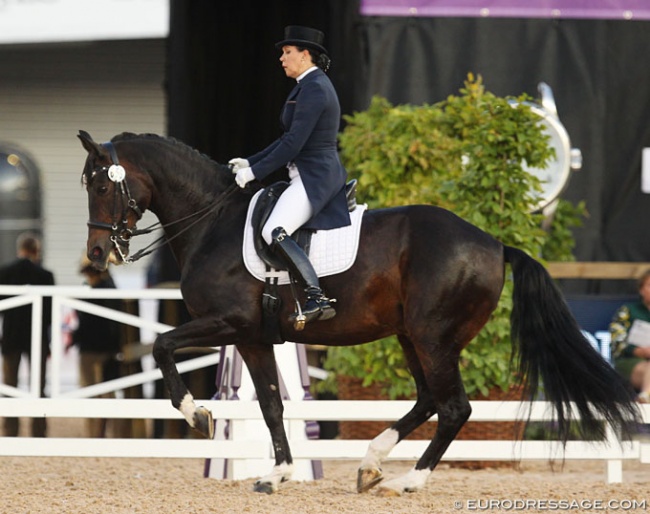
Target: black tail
548, 346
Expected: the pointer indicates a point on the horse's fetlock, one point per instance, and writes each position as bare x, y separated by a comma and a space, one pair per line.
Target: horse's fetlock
187, 408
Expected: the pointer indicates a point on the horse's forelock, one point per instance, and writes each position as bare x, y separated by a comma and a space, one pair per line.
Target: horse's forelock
86, 173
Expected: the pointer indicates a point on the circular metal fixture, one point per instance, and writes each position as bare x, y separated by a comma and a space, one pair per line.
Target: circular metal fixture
555, 176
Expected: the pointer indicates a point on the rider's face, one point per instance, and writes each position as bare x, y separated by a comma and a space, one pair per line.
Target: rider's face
293, 61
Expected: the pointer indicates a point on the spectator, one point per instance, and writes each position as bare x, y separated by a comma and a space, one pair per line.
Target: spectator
630, 331
17, 323
98, 340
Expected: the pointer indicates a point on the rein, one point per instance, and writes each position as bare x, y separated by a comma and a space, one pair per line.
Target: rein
163, 240
121, 234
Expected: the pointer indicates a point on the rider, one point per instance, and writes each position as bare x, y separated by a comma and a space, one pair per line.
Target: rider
315, 198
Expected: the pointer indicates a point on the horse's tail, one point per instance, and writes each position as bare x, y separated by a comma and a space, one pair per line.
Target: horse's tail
548, 347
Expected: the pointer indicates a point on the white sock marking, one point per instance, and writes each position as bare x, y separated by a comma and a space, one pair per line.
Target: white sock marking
379, 448
414, 480
188, 408
279, 474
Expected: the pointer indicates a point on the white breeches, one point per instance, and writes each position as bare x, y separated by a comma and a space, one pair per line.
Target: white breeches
291, 212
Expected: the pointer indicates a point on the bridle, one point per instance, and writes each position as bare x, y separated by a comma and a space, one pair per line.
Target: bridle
121, 234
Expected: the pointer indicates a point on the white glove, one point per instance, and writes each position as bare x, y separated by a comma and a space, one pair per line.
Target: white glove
237, 163
244, 176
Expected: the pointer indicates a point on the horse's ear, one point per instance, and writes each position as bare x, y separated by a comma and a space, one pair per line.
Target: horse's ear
90, 145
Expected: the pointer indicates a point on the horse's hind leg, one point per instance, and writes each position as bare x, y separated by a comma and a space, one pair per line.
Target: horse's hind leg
370, 473
261, 364
453, 411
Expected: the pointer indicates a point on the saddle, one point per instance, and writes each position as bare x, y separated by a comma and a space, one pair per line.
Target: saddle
262, 211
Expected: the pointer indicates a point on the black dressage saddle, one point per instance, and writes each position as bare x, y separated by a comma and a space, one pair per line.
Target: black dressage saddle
262, 210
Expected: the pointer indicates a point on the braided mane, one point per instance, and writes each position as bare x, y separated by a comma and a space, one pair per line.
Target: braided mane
127, 136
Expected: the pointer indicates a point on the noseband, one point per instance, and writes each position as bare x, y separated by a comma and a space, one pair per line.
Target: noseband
121, 234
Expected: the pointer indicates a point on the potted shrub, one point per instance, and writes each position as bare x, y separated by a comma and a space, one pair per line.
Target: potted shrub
465, 154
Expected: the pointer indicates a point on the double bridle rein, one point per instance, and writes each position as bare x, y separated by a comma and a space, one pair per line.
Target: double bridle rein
121, 234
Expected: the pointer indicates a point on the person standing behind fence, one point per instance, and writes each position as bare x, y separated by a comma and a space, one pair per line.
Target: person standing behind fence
17, 323
98, 341
632, 355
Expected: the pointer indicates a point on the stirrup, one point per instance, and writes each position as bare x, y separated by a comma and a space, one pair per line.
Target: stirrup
322, 312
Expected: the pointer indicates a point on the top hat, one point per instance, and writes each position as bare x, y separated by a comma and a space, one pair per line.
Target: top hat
303, 37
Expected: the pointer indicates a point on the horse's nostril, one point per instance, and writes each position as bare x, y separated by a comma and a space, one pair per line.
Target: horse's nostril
96, 253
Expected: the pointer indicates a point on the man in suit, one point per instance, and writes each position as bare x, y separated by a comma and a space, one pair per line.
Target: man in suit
17, 323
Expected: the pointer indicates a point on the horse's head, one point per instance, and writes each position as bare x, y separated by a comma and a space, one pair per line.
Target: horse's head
118, 194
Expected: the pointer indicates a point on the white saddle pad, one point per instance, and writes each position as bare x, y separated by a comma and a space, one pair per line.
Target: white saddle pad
331, 251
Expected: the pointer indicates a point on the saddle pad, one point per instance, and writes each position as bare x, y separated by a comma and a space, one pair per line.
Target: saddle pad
331, 251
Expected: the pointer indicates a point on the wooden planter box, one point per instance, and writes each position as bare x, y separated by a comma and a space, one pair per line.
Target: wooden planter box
351, 389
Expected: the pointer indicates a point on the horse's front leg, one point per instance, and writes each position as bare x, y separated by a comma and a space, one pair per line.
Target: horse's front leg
200, 332
262, 367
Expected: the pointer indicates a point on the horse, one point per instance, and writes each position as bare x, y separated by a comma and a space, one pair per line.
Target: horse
421, 273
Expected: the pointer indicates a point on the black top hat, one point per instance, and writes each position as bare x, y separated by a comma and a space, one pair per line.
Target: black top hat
303, 37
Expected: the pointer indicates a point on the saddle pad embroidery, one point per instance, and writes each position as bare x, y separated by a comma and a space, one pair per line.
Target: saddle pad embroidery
332, 251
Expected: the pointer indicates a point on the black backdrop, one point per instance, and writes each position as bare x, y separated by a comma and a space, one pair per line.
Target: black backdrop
226, 88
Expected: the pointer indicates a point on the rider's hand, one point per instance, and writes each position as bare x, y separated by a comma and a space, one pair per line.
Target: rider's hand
244, 176
238, 163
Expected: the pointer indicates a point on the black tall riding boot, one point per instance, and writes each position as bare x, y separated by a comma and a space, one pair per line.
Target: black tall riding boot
317, 306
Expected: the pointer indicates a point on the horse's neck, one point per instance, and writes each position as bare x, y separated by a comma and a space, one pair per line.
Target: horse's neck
179, 193
182, 203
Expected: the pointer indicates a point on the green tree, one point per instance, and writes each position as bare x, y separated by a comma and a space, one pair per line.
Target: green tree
464, 154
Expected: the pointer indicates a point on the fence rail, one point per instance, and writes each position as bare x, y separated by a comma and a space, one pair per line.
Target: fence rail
611, 451
598, 270
74, 405
72, 298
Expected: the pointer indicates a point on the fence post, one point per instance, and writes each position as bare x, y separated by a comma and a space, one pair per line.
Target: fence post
37, 346
56, 345
614, 466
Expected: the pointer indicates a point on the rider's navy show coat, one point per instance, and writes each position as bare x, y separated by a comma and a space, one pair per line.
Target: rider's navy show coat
311, 118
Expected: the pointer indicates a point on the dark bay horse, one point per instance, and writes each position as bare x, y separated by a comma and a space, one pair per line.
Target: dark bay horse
421, 273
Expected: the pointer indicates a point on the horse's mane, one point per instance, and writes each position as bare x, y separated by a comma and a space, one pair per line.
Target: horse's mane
194, 179
196, 163
127, 136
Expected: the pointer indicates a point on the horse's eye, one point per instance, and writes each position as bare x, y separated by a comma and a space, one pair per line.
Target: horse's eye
102, 190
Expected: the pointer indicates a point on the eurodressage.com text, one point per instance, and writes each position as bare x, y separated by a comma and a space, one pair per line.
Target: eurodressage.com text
550, 505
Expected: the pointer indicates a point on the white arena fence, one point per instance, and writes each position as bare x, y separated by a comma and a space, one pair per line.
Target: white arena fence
78, 404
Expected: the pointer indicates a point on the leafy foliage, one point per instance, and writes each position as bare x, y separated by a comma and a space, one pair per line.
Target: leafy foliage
464, 154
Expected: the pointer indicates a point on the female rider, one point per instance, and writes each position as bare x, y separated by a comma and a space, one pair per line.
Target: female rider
315, 198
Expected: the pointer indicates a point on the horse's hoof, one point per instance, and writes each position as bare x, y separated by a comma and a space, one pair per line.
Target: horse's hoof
263, 487
368, 478
203, 422
385, 492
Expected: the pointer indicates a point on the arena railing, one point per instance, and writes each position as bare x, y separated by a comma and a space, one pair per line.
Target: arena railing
78, 405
